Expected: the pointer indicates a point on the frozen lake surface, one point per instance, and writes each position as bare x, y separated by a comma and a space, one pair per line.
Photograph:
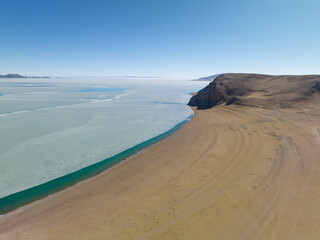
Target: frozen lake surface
52, 127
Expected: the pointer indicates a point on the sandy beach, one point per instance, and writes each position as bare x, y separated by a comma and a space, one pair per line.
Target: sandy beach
232, 172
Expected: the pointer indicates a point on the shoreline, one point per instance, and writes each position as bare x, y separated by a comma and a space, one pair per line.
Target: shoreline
34, 194
232, 172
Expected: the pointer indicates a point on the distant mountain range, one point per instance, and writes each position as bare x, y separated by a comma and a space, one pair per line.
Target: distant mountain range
12, 75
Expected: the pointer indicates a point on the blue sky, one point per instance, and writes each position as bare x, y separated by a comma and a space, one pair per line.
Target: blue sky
170, 38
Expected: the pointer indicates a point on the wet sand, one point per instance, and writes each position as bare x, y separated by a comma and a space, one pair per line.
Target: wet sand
232, 172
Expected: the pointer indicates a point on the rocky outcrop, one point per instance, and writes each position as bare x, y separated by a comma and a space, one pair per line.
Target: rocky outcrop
316, 87
256, 90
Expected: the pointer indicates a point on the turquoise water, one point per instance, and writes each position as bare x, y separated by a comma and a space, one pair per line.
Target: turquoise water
27, 196
100, 89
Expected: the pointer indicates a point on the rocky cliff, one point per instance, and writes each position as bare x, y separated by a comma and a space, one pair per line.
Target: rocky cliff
257, 90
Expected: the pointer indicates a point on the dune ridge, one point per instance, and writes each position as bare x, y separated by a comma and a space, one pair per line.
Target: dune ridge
248, 169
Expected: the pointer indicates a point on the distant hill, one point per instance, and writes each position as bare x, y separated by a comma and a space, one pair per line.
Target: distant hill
209, 78
258, 90
12, 75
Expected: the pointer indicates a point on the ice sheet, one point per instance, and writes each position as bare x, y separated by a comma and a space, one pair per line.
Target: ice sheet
51, 127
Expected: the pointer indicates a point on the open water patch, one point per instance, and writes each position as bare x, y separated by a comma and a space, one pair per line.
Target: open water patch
170, 103
99, 89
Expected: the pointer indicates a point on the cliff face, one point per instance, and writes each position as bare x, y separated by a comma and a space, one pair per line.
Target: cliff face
257, 90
